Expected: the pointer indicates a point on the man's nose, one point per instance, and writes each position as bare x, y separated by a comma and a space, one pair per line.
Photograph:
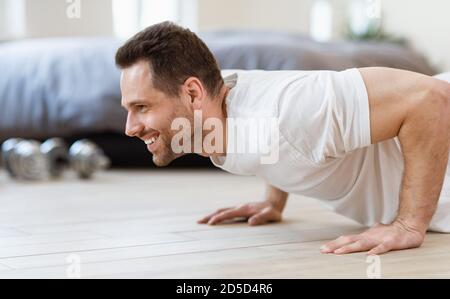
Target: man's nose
133, 128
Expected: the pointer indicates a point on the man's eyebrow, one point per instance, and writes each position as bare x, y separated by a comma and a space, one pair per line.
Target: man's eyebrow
133, 103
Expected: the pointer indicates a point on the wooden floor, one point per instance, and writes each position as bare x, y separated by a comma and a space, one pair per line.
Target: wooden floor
142, 224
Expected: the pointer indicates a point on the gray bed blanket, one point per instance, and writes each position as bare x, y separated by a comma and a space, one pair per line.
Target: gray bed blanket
59, 87
288, 51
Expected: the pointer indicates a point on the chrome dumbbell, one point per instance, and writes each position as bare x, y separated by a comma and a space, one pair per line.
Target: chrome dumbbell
7, 149
86, 158
30, 160
57, 156
23, 159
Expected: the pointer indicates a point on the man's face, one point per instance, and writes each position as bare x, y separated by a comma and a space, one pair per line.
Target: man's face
150, 112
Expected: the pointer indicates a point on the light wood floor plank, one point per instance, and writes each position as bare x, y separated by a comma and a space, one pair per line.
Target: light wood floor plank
88, 245
174, 248
6, 242
143, 224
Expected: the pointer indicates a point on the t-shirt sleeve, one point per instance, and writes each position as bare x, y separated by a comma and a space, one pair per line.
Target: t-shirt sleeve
326, 115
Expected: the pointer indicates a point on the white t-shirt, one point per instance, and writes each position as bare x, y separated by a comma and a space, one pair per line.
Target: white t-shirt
325, 149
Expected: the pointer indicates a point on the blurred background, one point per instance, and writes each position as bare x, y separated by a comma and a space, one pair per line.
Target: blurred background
57, 56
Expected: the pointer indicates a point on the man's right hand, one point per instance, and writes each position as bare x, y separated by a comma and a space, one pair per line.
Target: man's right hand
254, 213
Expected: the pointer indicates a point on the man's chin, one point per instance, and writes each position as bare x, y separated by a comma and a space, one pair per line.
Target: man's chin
163, 161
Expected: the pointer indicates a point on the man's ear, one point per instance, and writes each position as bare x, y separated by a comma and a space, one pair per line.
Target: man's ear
194, 89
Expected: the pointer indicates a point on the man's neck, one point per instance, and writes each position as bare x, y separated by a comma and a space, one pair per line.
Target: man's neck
225, 121
222, 114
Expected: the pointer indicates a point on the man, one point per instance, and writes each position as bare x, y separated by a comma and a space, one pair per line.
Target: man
373, 143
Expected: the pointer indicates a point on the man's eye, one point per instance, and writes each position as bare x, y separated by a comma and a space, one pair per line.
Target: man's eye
141, 108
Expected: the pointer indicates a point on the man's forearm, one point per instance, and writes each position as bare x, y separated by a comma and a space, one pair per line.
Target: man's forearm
424, 136
276, 196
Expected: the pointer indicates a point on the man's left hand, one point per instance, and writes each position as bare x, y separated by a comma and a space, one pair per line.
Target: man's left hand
377, 240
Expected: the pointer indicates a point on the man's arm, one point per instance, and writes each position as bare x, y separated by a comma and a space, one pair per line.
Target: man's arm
276, 196
416, 108
269, 210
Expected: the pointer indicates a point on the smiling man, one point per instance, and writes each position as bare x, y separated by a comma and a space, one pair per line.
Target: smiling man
373, 143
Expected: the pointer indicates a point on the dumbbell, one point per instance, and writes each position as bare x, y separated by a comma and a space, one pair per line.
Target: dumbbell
30, 160
86, 158
23, 159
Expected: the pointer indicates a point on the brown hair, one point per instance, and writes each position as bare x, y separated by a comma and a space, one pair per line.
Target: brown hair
174, 54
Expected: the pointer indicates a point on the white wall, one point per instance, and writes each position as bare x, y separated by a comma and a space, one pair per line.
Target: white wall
425, 23
262, 14
2, 19
48, 18
287, 15
12, 19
